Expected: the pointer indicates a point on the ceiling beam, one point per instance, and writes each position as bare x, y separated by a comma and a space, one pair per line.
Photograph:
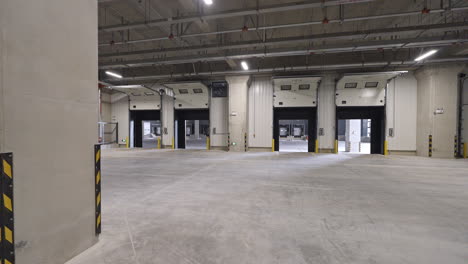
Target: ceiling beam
364, 34
323, 67
325, 49
232, 13
309, 23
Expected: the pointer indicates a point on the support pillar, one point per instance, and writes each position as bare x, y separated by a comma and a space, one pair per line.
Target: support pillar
326, 113
197, 129
167, 121
49, 107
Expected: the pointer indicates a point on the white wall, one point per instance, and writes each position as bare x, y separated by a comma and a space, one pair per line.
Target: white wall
261, 113
49, 104
327, 111
238, 93
167, 119
105, 109
401, 109
106, 112
219, 116
437, 88
121, 115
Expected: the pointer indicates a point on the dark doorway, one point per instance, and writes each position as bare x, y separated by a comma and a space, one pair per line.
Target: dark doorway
138, 116
375, 115
305, 115
184, 124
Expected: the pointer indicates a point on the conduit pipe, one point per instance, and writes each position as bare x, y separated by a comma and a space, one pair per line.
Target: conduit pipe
284, 26
338, 35
328, 49
296, 68
232, 13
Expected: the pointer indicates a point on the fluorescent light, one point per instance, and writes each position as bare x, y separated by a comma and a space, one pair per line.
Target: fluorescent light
245, 66
113, 74
208, 2
425, 55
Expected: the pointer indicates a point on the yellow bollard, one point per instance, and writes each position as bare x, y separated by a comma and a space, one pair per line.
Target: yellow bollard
159, 143
336, 146
173, 143
316, 146
386, 148
207, 143
273, 145
127, 143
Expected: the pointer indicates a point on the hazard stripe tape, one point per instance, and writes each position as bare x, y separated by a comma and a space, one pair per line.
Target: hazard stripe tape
7, 202
98, 155
7, 236
97, 175
430, 145
6, 168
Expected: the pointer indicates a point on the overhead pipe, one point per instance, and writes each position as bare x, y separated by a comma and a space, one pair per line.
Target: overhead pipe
284, 26
233, 13
409, 63
327, 49
338, 35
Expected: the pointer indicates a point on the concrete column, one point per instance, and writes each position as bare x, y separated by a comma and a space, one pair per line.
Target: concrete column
326, 112
437, 113
167, 121
353, 135
219, 123
238, 105
49, 105
197, 129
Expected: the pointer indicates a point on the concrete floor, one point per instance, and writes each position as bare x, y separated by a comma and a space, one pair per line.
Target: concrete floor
202, 207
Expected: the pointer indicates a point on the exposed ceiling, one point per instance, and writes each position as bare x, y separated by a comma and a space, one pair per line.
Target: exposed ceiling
160, 40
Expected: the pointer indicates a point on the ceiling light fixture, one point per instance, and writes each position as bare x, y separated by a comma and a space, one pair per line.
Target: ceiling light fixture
113, 74
208, 2
425, 55
245, 66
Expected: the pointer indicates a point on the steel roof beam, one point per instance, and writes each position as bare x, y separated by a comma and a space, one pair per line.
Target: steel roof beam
326, 49
237, 30
232, 13
339, 35
407, 64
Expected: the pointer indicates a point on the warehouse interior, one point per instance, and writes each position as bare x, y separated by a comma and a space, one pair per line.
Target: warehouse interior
253, 131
